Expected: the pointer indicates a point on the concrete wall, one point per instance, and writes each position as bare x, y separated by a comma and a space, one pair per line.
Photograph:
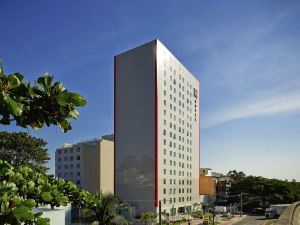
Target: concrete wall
135, 127
107, 166
91, 167
60, 215
206, 186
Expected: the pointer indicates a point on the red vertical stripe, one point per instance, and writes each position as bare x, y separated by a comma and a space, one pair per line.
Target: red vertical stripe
156, 125
115, 97
199, 135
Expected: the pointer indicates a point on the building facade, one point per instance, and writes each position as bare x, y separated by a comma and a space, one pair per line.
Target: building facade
157, 140
89, 164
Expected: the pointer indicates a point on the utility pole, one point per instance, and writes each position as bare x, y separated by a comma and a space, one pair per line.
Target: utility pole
159, 207
213, 211
241, 211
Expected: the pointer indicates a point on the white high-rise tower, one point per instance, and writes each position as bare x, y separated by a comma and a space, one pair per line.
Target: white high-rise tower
157, 141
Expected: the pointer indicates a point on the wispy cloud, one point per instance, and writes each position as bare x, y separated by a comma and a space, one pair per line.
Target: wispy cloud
247, 69
280, 104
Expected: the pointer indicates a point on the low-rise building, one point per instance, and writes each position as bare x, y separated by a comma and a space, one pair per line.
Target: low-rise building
89, 164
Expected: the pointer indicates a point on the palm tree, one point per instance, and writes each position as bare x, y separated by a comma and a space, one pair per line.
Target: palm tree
106, 210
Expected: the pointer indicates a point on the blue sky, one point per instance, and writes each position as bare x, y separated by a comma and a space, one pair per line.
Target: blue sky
245, 53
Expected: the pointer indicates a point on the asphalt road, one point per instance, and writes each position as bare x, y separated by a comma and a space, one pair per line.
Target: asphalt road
252, 220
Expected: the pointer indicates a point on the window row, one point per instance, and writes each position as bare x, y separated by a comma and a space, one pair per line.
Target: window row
66, 150
181, 182
68, 166
71, 158
173, 200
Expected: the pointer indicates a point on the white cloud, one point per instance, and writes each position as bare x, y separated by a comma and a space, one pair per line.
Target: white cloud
282, 103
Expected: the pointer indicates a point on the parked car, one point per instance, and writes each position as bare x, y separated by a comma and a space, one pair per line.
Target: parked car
226, 214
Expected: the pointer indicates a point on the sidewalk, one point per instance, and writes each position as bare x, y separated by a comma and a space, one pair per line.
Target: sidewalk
229, 222
233, 220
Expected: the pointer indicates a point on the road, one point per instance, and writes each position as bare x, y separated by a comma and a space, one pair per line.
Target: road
252, 220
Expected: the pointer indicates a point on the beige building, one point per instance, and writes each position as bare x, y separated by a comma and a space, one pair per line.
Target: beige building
89, 164
157, 121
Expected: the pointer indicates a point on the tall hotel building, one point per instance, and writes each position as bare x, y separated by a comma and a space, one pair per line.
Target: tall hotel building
157, 139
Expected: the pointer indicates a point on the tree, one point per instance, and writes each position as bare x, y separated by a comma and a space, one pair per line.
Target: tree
22, 189
106, 209
261, 192
236, 175
147, 217
44, 103
22, 149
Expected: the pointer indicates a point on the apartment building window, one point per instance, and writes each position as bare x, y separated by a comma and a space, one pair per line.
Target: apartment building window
71, 158
59, 159
78, 182
165, 191
165, 161
165, 181
78, 157
71, 150
78, 173
59, 166
165, 201
66, 166
71, 166
78, 149
59, 151
78, 165
66, 150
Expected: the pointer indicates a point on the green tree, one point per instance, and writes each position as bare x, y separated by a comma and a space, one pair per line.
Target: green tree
236, 175
106, 209
147, 217
44, 103
262, 191
21, 149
